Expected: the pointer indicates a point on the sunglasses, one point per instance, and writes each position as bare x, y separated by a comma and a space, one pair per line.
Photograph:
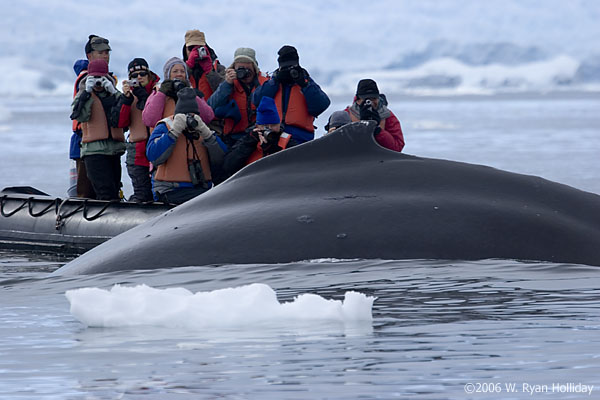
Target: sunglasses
136, 74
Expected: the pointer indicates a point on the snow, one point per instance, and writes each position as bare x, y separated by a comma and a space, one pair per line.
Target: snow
425, 46
239, 307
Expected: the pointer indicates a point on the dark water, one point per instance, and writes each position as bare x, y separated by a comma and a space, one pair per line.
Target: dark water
437, 327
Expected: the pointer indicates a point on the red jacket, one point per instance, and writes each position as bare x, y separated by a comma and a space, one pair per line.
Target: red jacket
391, 136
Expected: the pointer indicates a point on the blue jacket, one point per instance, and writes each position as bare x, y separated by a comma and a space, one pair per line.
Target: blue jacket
75, 145
317, 101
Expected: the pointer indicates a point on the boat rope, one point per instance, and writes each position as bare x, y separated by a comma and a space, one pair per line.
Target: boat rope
85, 211
60, 218
54, 203
8, 214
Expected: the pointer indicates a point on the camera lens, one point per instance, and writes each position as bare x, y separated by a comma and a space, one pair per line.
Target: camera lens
242, 73
294, 73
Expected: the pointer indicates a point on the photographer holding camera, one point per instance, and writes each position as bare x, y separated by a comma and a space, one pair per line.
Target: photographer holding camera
96, 107
206, 73
135, 93
298, 97
161, 102
184, 151
265, 139
232, 99
370, 105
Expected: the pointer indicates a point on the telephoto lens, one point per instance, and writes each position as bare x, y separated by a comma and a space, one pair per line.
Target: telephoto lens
294, 73
98, 83
178, 85
242, 73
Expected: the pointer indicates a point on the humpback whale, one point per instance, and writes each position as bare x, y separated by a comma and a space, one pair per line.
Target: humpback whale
344, 196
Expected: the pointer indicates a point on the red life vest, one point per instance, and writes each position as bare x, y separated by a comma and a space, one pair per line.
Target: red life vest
176, 168
297, 111
246, 107
284, 140
97, 127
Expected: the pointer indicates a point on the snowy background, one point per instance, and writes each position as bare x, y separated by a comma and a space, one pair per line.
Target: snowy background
409, 47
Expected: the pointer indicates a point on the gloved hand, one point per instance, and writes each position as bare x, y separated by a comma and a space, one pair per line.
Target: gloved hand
302, 79
141, 95
367, 113
192, 57
108, 85
168, 89
202, 129
275, 76
90, 82
179, 124
199, 93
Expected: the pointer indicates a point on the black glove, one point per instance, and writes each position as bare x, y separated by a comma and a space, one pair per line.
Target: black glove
367, 113
141, 95
199, 93
168, 89
302, 78
275, 76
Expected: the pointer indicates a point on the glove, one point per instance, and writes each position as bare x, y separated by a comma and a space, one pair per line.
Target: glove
108, 85
368, 114
302, 79
90, 82
141, 95
179, 124
199, 93
275, 76
202, 129
192, 57
168, 89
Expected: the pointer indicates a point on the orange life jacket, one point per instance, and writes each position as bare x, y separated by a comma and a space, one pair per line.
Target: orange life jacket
246, 107
284, 139
138, 132
97, 127
176, 168
297, 111
82, 74
203, 84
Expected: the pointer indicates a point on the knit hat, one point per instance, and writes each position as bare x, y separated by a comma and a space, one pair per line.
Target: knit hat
288, 56
194, 37
367, 89
137, 64
171, 62
186, 101
98, 67
97, 43
266, 113
245, 54
337, 119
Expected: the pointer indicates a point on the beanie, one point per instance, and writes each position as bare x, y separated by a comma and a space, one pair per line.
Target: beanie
186, 102
137, 64
288, 56
367, 89
337, 119
98, 67
245, 54
194, 37
171, 62
266, 113
97, 43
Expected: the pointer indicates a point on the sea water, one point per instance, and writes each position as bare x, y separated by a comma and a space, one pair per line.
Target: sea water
440, 329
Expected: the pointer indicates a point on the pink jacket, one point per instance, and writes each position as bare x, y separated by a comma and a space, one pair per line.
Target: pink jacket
155, 105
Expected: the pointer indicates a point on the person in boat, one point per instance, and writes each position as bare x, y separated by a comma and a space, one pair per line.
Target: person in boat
369, 104
161, 102
206, 73
96, 48
182, 148
232, 100
268, 137
102, 143
298, 97
336, 121
135, 93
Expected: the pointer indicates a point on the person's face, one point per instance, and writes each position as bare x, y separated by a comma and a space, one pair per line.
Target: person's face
99, 55
249, 66
177, 72
143, 77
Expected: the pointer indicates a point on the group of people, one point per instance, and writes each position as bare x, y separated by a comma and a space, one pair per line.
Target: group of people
200, 124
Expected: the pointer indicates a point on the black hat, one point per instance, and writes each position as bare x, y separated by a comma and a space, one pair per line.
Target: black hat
137, 64
96, 42
288, 56
186, 101
367, 89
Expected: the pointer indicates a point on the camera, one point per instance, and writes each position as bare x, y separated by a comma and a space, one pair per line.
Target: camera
268, 134
242, 73
133, 83
196, 174
190, 131
295, 73
202, 52
368, 103
97, 81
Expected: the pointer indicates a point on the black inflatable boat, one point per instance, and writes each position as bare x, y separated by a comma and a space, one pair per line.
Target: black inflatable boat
34, 221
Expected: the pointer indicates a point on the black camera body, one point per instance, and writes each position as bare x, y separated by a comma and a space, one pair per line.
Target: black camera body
196, 173
178, 85
190, 131
242, 73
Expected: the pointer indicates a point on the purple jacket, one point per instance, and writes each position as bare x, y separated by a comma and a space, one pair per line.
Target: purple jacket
155, 105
